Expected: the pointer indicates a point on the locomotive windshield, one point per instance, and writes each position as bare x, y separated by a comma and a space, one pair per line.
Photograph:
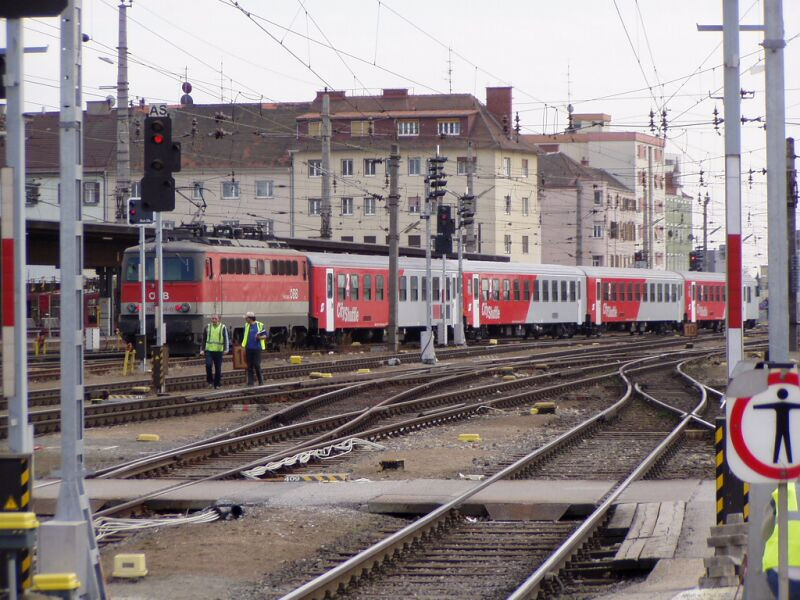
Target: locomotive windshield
176, 268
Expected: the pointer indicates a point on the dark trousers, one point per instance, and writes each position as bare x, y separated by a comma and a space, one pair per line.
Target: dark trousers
772, 580
254, 365
215, 359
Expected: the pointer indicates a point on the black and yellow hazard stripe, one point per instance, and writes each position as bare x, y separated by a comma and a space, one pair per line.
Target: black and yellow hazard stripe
318, 477
719, 469
731, 493
16, 483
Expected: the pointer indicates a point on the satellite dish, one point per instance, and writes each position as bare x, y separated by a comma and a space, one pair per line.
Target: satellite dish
570, 108
111, 100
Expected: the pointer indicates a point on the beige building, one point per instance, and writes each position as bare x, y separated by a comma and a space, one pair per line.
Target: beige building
588, 216
635, 159
364, 127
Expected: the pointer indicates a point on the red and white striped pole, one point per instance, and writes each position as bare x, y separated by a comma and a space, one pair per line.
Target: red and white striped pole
733, 181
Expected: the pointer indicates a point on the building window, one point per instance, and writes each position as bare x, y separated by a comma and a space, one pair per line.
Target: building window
369, 206
230, 190
347, 167
525, 244
360, 128
414, 166
347, 207
406, 128
136, 189
508, 243
314, 206
197, 190
524, 167
597, 231
413, 204
370, 167
349, 238
598, 197
449, 127
264, 188
91, 193
597, 261
525, 207
415, 241
315, 168
315, 129
507, 166
370, 239
508, 205
462, 165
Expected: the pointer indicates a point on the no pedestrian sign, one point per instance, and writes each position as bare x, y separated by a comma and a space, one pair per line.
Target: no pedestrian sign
763, 421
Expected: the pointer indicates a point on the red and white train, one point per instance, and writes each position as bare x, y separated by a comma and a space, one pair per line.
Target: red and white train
310, 297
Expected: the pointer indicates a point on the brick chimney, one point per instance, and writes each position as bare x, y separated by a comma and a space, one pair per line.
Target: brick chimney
498, 101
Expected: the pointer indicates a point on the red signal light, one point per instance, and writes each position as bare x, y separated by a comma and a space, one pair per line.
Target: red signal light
158, 138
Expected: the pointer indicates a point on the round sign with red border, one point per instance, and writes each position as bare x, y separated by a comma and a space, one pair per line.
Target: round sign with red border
763, 441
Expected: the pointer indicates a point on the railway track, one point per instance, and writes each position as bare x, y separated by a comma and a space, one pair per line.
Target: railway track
445, 555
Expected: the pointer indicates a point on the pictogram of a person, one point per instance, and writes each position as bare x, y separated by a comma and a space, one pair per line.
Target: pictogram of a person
782, 433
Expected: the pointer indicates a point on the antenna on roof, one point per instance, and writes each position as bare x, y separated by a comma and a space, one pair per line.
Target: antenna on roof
450, 69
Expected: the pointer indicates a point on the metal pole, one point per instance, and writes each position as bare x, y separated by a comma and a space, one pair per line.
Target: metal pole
159, 267
791, 213
143, 307
325, 209
650, 231
578, 222
705, 232
458, 320
426, 338
776, 181
445, 303
123, 130
20, 437
394, 242
733, 180
73, 502
291, 194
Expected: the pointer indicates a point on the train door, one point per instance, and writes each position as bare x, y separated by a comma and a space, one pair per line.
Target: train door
598, 301
330, 313
215, 287
476, 301
693, 302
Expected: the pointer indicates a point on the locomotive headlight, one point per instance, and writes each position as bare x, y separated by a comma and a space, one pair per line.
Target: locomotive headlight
184, 308
132, 308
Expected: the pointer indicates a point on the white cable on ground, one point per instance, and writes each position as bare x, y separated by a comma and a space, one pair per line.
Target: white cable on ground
106, 526
327, 452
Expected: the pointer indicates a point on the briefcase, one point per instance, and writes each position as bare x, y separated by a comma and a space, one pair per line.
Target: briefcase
239, 358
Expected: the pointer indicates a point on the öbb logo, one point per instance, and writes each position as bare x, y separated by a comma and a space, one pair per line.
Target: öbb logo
610, 311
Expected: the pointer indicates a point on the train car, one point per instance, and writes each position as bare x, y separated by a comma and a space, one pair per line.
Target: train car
44, 309
751, 297
224, 276
522, 298
706, 299
633, 299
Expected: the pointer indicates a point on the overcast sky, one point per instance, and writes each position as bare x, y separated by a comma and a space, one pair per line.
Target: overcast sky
622, 57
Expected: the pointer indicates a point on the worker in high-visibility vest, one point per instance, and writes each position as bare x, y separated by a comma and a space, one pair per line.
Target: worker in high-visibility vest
770, 534
215, 344
254, 342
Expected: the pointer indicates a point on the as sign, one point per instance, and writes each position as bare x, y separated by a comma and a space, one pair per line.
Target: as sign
157, 110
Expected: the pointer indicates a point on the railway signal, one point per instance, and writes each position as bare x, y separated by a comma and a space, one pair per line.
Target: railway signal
138, 212
466, 210
162, 158
445, 227
696, 260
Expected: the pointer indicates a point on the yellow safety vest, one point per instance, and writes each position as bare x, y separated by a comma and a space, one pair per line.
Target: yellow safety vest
770, 560
259, 329
215, 338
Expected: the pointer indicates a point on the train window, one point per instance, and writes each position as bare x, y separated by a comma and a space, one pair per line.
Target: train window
424, 288
526, 290
630, 292
536, 291
435, 295
572, 291
379, 287
563, 291
516, 290
652, 292
354, 287
304, 271
496, 289
637, 292
414, 288
749, 291
341, 286
238, 267
223, 266
613, 294
246, 266
485, 289
447, 287
545, 291
724, 293
475, 290
273, 267
260, 266
367, 287
506, 289
283, 267
402, 289
554, 290
607, 292
295, 268
579, 290
660, 292
209, 268
330, 285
